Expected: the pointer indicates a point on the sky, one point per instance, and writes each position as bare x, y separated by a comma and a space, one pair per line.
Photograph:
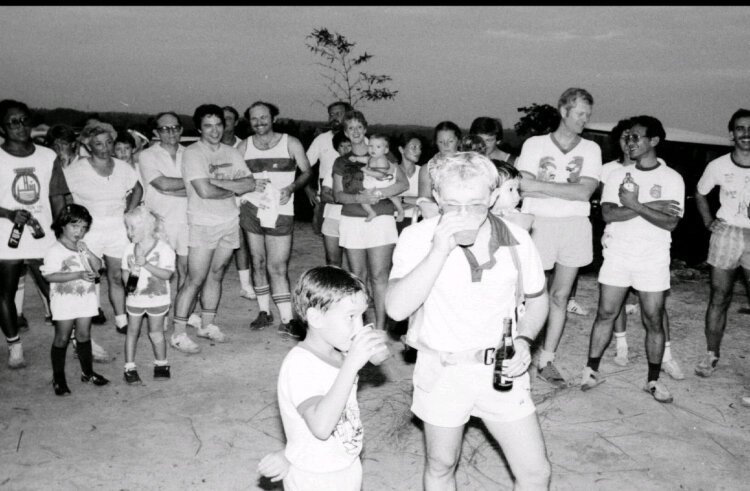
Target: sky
687, 66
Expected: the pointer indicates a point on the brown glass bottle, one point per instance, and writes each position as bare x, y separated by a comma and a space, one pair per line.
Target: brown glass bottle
504, 353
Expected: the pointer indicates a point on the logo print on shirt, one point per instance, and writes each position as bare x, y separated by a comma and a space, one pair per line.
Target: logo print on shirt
655, 191
217, 170
26, 187
547, 169
574, 168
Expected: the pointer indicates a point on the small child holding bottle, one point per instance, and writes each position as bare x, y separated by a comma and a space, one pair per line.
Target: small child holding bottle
71, 268
147, 265
317, 385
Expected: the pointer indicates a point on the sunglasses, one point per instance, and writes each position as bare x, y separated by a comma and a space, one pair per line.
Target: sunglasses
172, 129
18, 122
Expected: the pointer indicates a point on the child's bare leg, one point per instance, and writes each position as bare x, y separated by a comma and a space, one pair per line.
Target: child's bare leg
131, 339
399, 208
370, 212
156, 335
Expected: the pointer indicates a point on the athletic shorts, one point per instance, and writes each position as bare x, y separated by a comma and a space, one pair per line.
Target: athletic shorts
150, 311
355, 233
730, 248
566, 241
347, 479
447, 396
225, 235
107, 237
250, 222
177, 236
645, 275
330, 227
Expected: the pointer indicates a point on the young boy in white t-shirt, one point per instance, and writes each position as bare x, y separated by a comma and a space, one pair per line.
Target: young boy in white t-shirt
317, 387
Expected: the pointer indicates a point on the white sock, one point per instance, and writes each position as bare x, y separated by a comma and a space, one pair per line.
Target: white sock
245, 279
129, 366
285, 311
194, 320
19, 296
161, 363
621, 340
545, 357
264, 303
667, 353
97, 287
121, 320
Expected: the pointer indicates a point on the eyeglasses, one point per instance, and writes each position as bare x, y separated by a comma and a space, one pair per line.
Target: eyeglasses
176, 128
17, 123
476, 209
635, 138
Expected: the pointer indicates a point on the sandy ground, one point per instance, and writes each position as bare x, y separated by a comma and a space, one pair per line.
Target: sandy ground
210, 424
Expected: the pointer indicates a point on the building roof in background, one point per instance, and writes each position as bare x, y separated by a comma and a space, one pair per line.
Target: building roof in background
673, 135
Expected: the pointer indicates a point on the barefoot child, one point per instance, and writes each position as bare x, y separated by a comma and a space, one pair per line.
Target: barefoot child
317, 385
70, 267
508, 197
153, 261
379, 173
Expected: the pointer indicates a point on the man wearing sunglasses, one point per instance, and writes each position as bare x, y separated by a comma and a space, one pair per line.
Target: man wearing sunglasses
641, 205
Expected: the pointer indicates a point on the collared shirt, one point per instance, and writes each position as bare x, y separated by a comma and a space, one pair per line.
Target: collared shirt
155, 162
467, 303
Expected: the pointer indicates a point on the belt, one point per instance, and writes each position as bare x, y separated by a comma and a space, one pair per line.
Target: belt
484, 356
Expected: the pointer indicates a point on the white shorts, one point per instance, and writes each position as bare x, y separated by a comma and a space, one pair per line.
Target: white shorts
647, 275
107, 237
566, 241
177, 236
347, 479
330, 227
355, 233
447, 396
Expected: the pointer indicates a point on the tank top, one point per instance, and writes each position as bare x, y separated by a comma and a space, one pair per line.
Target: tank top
278, 165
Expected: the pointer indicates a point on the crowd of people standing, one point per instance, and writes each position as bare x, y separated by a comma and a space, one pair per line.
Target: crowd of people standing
443, 245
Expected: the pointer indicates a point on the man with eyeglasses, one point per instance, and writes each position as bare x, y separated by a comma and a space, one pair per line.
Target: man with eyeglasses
160, 166
730, 233
560, 173
641, 205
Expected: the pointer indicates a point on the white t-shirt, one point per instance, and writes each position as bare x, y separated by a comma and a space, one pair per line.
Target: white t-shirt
302, 376
413, 191
69, 299
104, 197
156, 162
150, 291
24, 184
734, 194
638, 237
201, 162
460, 313
609, 167
542, 157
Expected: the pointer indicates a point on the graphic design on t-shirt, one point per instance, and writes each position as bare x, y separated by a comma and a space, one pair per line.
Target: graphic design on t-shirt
75, 287
574, 169
349, 430
217, 170
547, 169
655, 191
26, 186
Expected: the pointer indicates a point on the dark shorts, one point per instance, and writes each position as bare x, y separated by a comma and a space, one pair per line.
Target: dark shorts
250, 223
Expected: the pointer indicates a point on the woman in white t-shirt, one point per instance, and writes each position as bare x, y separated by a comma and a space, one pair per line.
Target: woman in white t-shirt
107, 187
410, 147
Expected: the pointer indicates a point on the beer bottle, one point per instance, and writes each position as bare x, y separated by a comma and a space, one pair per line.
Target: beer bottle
36, 228
628, 183
15, 235
132, 283
504, 353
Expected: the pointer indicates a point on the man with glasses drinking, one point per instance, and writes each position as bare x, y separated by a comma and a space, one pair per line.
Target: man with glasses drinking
641, 205
560, 173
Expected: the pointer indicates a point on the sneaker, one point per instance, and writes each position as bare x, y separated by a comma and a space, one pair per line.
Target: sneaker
576, 308
23, 324
99, 318
287, 330
131, 377
631, 308
94, 378
248, 294
16, 360
621, 356
706, 367
122, 329
590, 379
212, 332
658, 390
161, 372
181, 342
99, 354
61, 388
673, 369
195, 321
264, 319
550, 374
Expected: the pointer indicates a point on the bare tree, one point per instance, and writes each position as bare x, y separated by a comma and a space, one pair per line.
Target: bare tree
340, 69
